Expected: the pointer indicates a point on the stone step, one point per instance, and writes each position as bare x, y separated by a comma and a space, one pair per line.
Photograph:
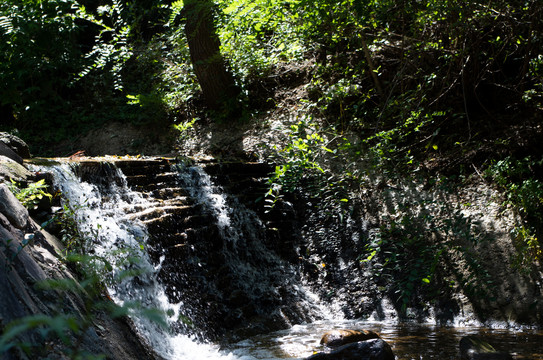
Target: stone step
149, 187
169, 192
158, 212
156, 203
133, 166
148, 169
168, 223
146, 179
254, 169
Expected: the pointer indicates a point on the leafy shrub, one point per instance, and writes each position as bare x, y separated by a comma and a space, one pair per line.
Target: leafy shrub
32, 194
518, 178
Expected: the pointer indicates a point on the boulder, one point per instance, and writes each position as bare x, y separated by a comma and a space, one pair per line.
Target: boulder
474, 348
10, 169
6, 151
374, 349
12, 209
16, 144
340, 337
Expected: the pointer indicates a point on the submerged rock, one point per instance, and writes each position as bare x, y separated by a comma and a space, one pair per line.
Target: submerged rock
373, 349
474, 348
340, 337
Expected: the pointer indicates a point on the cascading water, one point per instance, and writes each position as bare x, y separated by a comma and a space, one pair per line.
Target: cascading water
101, 211
109, 212
213, 267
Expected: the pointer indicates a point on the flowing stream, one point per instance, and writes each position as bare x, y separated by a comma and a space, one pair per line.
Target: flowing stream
103, 212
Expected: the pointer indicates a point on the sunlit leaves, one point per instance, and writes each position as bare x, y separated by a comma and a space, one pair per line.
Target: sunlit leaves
176, 8
111, 49
258, 34
32, 194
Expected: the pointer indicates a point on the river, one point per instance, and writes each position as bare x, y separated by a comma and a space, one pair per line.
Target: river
409, 341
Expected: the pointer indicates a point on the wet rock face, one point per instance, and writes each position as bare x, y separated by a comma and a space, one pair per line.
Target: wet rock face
219, 254
12, 152
330, 256
6, 151
474, 348
340, 337
374, 349
12, 170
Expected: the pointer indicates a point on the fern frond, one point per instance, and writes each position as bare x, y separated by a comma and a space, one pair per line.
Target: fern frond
176, 7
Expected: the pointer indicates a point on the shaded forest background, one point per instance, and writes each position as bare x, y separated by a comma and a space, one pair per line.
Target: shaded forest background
404, 88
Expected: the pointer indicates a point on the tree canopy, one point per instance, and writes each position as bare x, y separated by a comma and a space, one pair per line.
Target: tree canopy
440, 74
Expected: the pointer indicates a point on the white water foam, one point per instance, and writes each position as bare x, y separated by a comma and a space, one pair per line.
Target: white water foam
204, 191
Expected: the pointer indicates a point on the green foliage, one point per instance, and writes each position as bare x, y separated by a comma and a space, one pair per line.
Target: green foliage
75, 240
63, 68
434, 61
111, 49
535, 94
46, 326
299, 156
36, 43
32, 194
519, 179
258, 34
185, 128
379, 62
175, 82
296, 162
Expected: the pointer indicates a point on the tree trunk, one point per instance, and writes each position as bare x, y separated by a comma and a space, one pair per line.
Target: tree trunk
217, 83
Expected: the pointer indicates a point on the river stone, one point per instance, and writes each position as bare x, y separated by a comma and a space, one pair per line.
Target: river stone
340, 337
16, 144
12, 209
373, 349
474, 348
10, 169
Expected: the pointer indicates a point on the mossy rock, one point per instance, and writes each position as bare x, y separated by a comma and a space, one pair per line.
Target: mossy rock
10, 169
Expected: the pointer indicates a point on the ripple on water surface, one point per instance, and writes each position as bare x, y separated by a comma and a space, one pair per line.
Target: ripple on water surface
409, 341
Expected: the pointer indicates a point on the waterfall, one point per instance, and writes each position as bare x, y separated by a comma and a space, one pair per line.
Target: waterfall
203, 257
101, 212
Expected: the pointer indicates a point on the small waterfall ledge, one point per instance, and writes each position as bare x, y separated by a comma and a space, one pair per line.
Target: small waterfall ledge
214, 265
